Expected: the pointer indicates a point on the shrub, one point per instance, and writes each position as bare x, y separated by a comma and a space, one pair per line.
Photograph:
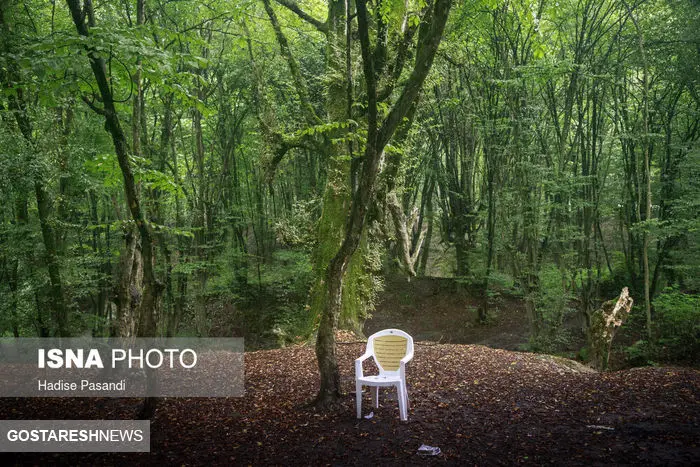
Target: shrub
640, 353
676, 330
505, 283
552, 300
677, 317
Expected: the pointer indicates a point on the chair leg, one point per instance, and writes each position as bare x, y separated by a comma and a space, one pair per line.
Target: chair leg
358, 399
408, 404
376, 397
401, 390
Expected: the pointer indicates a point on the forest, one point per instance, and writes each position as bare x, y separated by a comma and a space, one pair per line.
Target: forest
298, 172
263, 168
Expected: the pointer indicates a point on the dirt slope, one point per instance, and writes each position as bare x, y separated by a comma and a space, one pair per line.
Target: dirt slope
437, 309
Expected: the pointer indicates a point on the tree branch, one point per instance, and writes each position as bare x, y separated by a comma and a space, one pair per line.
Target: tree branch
399, 62
89, 103
298, 79
294, 7
279, 143
428, 41
282, 145
368, 68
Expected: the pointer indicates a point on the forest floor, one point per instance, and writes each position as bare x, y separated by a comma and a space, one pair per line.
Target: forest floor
479, 405
472, 395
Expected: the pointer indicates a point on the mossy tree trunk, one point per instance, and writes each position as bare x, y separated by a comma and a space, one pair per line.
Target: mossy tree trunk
337, 194
350, 183
378, 136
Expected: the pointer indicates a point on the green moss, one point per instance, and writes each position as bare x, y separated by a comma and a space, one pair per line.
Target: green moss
360, 286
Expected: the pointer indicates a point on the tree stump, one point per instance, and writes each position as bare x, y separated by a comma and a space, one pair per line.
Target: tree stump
603, 325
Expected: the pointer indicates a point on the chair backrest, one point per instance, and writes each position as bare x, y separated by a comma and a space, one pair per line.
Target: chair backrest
388, 347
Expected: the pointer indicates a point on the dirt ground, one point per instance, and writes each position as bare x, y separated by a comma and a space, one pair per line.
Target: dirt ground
472, 395
438, 310
480, 406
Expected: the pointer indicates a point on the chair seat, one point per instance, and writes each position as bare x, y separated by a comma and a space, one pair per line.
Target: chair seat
380, 380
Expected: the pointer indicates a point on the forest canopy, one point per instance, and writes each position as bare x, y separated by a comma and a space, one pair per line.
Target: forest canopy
259, 167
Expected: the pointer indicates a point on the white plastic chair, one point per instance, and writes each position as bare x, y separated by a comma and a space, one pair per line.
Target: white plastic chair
391, 350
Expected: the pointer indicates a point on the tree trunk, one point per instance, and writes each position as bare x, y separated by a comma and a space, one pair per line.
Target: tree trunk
13, 282
152, 289
18, 105
647, 168
425, 252
377, 138
403, 227
119, 326
49, 236
603, 325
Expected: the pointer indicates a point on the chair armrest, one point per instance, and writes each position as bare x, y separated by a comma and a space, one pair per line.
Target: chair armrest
402, 368
358, 364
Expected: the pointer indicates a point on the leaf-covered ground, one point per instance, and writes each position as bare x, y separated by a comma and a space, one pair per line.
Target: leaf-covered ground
478, 405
